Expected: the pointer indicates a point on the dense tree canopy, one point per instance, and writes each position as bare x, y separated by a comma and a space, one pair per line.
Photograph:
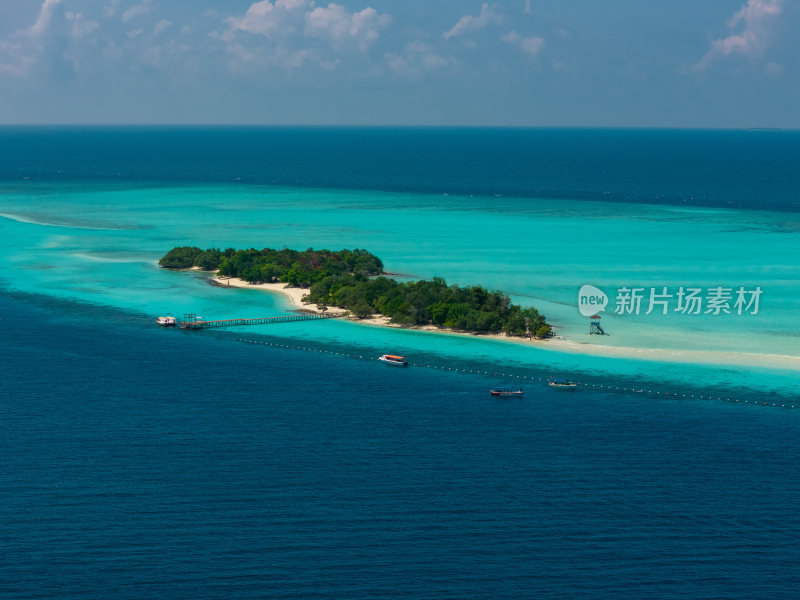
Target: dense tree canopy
351, 279
263, 266
432, 302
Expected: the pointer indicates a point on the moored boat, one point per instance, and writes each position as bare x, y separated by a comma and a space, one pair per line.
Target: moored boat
503, 390
393, 359
562, 384
167, 321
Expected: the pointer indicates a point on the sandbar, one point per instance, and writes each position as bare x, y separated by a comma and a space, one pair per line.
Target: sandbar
558, 344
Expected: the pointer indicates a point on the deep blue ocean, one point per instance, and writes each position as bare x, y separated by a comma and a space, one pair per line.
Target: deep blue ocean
139, 462
752, 169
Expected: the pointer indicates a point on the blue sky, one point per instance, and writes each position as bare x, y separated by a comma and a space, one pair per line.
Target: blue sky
634, 63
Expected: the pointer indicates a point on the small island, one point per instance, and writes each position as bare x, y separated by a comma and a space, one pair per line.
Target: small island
354, 280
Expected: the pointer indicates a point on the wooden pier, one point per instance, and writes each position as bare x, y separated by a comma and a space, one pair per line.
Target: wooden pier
192, 322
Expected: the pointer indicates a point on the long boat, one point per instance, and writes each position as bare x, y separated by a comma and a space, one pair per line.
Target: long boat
394, 360
562, 384
503, 390
167, 321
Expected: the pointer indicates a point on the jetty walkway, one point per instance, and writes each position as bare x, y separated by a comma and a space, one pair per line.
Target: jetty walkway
192, 322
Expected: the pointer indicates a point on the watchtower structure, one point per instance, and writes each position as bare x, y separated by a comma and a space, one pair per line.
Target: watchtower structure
594, 326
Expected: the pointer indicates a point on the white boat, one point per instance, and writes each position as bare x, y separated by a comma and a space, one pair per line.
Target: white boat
392, 359
167, 321
562, 384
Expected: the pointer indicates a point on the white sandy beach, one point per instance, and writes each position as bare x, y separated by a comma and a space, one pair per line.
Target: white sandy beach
293, 294
559, 344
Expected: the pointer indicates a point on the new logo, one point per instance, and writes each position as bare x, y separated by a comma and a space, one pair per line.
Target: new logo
591, 300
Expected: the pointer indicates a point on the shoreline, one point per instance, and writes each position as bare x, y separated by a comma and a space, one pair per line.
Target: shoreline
294, 295
555, 344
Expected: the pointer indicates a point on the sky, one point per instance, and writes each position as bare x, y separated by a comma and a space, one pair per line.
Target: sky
528, 63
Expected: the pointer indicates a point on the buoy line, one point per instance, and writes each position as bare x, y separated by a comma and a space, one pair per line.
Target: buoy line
598, 386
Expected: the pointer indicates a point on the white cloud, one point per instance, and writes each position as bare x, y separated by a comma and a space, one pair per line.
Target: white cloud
62, 42
531, 45
44, 18
527, 7
280, 19
79, 26
13, 60
416, 58
468, 23
110, 10
258, 19
512, 37
244, 61
754, 17
292, 4
755, 11
136, 11
774, 68
265, 18
25, 47
291, 59
335, 24
293, 28
161, 26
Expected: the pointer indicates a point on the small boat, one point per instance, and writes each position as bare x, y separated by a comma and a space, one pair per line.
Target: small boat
391, 359
167, 321
503, 390
562, 384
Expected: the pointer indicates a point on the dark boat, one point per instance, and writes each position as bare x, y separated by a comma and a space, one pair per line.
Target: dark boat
506, 391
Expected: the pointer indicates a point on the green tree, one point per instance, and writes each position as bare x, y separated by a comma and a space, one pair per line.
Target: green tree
361, 309
182, 257
209, 259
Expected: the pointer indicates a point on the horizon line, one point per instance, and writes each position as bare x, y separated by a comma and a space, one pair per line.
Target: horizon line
399, 126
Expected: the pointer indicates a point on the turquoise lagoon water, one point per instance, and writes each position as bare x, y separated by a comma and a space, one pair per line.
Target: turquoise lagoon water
100, 244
